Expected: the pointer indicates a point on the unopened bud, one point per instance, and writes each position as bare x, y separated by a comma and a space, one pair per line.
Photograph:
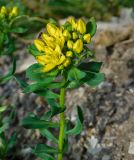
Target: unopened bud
70, 44
66, 34
81, 26
51, 29
71, 20
69, 54
15, 11
60, 67
74, 35
87, 38
3, 10
78, 46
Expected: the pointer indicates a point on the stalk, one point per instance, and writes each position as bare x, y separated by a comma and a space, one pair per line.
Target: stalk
62, 125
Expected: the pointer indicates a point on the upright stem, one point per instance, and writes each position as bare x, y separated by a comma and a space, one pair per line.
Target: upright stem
62, 125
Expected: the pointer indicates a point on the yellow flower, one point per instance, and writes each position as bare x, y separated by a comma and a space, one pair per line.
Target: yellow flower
39, 44
3, 10
14, 12
81, 26
70, 44
49, 41
69, 54
87, 38
78, 46
51, 60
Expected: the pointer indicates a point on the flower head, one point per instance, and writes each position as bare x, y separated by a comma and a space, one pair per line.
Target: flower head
59, 45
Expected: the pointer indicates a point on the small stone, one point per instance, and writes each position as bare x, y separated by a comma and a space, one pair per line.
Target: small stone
131, 148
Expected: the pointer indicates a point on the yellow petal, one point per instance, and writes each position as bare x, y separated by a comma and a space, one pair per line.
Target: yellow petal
58, 49
41, 59
51, 29
49, 67
39, 44
62, 59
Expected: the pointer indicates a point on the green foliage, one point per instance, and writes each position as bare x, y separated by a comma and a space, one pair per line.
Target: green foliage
91, 26
44, 152
33, 122
79, 124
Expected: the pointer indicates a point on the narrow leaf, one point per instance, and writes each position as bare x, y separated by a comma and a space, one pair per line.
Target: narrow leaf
78, 126
46, 133
36, 123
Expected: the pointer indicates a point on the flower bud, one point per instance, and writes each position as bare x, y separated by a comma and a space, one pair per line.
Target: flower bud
87, 38
67, 62
51, 29
70, 44
71, 20
78, 46
74, 35
66, 34
3, 10
81, 26
60, 67
69, 54
15, 11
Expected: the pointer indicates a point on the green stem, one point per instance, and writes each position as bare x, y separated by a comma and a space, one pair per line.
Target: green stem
62, 125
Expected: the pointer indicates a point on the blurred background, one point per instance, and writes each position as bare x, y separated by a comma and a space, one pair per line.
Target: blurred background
108, 109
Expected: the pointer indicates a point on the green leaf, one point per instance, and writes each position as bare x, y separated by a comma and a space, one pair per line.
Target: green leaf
31, 122
3, 108
78, 126
42, 148
44, 156
20, 22
90, 66
46, 133
75, 84
22, 84
12, 141
41, 87
47, 94
94, 79
91, 26
55, 107
34, 72
19, 30
75, 74
34, 51
43, 151
4, 127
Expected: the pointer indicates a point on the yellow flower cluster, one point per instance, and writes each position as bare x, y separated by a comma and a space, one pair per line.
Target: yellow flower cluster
8, 13
60, 44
